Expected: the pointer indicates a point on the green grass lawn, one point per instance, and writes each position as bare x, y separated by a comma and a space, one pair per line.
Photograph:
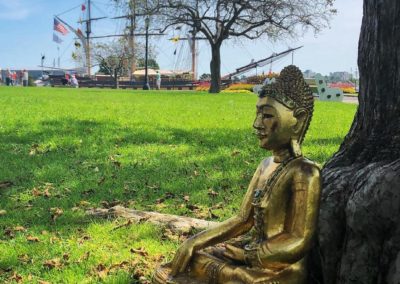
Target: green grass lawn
66, 150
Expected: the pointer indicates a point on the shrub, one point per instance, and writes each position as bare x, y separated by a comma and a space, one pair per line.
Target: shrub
349, 90
203, 86
237, 91
259, 79
240, 86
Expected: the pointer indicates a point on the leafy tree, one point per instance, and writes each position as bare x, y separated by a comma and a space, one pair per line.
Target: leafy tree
151, 63
205, 77
103, 68
219, 20
113, 58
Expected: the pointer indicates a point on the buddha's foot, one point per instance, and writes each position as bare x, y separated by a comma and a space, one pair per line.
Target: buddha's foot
162, 275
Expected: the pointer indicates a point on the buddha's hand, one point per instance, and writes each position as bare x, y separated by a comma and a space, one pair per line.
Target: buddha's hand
234, 253
182, 257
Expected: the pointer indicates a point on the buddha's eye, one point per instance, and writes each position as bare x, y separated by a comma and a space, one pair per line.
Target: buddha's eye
267, 115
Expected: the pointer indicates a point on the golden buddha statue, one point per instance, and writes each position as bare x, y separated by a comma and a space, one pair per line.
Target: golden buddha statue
269, 240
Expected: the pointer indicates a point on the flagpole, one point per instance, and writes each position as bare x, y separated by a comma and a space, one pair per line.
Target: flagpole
58, 56
88, 31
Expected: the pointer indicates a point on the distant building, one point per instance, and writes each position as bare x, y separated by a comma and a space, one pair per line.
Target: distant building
341, 76
309, 74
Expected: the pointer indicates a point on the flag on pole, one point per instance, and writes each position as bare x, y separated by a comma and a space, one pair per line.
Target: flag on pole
79, 32
57, 39
59, 27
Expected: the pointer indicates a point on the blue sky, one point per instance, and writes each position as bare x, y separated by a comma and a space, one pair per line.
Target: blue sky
26, 28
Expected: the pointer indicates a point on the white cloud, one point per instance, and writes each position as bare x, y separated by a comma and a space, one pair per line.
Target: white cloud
13, 10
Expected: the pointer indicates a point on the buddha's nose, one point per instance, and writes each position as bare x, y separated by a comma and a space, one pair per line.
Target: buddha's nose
258, 122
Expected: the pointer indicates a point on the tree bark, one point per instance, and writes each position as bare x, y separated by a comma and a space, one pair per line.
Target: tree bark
215, 68
359, 224
116, 82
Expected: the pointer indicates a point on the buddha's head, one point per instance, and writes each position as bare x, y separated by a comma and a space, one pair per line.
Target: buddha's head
284, 111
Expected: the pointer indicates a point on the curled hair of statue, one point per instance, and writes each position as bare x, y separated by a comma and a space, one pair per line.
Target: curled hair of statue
291, 90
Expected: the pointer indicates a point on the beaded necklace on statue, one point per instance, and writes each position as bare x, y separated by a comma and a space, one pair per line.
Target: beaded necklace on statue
260, 194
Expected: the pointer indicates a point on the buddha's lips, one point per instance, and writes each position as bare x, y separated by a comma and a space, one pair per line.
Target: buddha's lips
261, 135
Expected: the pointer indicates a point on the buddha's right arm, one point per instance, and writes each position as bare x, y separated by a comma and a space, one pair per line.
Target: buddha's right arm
234, 226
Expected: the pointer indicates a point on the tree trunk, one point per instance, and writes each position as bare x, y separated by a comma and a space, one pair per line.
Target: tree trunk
215, 68
116, 82
359, 225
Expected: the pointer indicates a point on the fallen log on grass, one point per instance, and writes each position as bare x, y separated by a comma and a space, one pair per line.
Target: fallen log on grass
177, 224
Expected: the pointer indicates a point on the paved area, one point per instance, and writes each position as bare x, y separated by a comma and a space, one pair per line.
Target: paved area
350, 100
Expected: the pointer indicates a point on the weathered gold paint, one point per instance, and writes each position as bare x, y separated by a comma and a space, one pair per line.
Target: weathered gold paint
269, 239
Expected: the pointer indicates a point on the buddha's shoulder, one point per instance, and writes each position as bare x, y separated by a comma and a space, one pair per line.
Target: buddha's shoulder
303, 165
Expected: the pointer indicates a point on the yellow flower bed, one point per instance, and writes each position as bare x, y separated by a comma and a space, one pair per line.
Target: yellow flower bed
349, 90
240, 86
202, 88
236, 91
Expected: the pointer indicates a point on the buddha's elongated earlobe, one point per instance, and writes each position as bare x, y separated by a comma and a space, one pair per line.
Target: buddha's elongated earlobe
296, 148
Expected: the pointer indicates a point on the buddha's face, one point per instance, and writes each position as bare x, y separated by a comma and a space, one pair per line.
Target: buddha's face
275, 124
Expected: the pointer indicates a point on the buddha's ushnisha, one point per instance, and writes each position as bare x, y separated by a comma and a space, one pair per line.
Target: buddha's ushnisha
269, 239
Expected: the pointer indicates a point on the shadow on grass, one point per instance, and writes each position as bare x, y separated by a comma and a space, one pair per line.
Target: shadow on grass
135, 165
78, 158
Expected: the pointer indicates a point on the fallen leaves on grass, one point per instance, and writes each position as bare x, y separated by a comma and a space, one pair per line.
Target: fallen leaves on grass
102, 271
211, 215
84, 239
108, 204
169, 195
19, 229
16, 277
235, 153
84, 257
9, 232
89, 191
25, 259
139, 251
160, 200
34, 150
170, 235
83, 203
212, 193
46, 193
43, 190
55, 212
126, 224
52, 263
101, 180
36, 192
186, 198
114, 161
54, 240
32, 239
6, 184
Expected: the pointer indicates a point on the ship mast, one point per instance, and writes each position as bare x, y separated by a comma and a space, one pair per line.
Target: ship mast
88, 31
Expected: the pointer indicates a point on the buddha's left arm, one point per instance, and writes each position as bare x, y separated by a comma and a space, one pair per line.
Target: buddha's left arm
294, 242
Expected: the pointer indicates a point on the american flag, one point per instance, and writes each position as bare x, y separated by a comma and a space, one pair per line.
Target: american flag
60, 27
57, 39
